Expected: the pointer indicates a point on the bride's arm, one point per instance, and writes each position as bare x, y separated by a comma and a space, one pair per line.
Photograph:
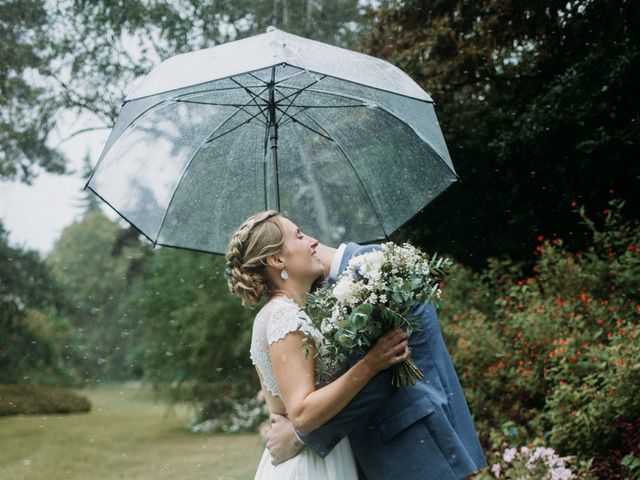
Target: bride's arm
309, 408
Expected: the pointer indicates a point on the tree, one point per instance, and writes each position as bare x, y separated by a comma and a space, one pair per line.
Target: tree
193, 334
27, 106
539, 105
89, 202
33, 334
95, 280
79, 57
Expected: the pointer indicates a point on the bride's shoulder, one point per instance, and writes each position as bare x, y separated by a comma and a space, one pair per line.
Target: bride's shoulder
278, 307
280, 304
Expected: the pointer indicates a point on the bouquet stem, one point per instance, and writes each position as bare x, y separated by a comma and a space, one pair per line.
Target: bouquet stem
406, 373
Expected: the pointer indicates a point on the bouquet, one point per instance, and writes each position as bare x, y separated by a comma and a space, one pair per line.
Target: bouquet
376, 291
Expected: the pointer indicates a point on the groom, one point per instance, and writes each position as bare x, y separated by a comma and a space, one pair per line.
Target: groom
421, 432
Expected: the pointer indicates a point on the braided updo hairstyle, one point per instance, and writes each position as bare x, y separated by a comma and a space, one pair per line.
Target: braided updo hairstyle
259, 237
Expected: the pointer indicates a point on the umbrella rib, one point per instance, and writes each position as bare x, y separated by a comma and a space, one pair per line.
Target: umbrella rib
291, 76
375, 105
257, 78
295, 120
211, 139
328, 106
238, 105
291, 118
222, 89
121, 215
295, 94
253, 96
366, 192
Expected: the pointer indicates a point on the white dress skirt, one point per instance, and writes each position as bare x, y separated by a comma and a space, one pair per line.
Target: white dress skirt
273, 322
307, 465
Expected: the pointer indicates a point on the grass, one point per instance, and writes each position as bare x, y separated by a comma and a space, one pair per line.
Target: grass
127, 435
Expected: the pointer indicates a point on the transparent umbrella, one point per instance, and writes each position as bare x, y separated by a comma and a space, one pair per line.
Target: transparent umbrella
344, 144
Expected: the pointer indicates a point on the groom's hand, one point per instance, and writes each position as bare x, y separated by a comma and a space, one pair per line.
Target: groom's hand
282, 441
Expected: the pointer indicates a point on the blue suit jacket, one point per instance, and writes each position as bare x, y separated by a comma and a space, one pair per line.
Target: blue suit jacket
421, 432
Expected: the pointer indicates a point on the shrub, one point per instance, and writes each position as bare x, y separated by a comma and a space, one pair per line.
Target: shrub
38, 399
232, 415
541, 463
552, 353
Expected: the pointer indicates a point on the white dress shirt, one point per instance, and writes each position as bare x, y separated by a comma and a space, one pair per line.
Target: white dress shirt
335, 264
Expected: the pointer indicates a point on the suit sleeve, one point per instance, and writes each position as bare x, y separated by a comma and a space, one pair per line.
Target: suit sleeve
356, 414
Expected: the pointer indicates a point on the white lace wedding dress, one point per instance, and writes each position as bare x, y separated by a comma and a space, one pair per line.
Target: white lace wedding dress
277, 318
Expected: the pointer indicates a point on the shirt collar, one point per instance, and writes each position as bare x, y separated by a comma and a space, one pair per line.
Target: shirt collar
335, 264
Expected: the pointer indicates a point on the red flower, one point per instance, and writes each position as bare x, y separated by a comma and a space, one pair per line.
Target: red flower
605, 212
573, 204
631, 248
540, 238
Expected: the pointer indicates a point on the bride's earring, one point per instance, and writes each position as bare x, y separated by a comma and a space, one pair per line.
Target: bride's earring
284, 274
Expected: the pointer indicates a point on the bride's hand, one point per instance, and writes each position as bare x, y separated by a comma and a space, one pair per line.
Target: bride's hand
390, 349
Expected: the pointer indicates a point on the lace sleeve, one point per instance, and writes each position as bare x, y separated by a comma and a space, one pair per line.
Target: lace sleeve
276, 319
289, 318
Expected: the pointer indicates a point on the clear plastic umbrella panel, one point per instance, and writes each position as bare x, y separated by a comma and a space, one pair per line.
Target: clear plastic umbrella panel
344, 144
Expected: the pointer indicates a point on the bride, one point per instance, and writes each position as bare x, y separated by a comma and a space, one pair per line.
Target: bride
269, 257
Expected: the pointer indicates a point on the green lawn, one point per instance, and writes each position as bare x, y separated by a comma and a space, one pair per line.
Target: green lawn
127, 435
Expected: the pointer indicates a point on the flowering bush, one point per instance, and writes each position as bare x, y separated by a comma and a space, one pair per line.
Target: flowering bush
235, 416
553, 352
540, 463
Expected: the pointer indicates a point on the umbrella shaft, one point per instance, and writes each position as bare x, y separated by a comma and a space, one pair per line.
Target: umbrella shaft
273, 139
273, 145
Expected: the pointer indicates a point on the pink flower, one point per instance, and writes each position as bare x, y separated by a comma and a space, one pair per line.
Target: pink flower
495, 469
509, 454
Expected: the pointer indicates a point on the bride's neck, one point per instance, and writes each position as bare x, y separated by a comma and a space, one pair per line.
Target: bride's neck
299, 296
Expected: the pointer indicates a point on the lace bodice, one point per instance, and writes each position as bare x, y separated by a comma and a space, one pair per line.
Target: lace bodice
272, 323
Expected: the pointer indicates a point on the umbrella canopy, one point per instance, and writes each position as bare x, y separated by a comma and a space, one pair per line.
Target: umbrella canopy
344, 144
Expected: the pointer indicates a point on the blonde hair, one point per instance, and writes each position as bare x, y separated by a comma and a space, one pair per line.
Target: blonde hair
259, 237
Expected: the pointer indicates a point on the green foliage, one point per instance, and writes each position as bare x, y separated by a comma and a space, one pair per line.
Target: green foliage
27, 106
192, 335
34, 336
228, 414
552, 353
79, 57
539, 106
94, 270
38, 399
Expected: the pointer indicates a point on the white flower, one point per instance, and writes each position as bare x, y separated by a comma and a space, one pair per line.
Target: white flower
495, 469
328, 325
561, 474
369, 264
509, 454
344, 289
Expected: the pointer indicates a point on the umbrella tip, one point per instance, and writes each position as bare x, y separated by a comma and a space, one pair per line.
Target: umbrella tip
271, 28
